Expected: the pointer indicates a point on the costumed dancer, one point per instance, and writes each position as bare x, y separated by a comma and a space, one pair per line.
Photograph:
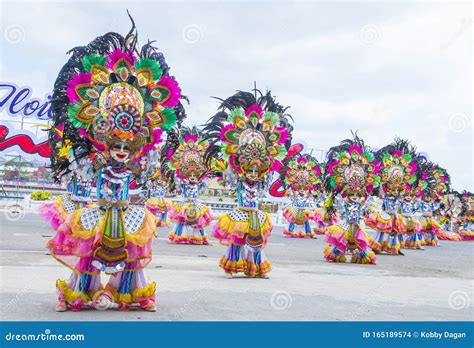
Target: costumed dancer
352, 175
157, 188
79, 180
398, 171
252, 134
118, 99
437, 184
449, 213
466, 217
185, 150
409, 207
303, 176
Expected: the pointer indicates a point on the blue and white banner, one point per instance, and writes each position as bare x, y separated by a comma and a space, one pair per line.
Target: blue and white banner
237, 334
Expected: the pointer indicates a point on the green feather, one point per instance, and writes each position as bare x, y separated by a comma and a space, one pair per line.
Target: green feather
273, 116
235, 112
71, 113
282, 152
170, 119
224, 154
92, 59
153, 65
407, 156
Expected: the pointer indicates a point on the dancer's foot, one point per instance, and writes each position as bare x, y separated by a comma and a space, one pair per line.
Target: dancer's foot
400, 253
264, 276
61, 306
149, 307
228, 275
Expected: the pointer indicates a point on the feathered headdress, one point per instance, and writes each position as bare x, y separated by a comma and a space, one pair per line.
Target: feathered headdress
251, 133
111, 92
352, 169
185, 151
304, 173
398, 168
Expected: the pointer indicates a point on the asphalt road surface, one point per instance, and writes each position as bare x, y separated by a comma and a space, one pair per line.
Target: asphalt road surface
434, 284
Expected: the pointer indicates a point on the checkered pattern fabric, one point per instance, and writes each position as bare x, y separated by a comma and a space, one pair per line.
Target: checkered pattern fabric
69, 205
238, 215
134, 218
89, 218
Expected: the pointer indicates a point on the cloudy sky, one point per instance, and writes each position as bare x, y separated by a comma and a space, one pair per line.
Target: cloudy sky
385, 69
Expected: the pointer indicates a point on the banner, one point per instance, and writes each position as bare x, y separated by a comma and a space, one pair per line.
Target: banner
18, 102
235, 334
24, 142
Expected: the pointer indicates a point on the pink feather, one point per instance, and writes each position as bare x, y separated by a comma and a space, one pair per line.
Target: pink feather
356, 148
254, 107
118, 54
331, 166
276, 166
77, 79
224, 130
397, 153
175, 91
157, 139
284, 134
190, 137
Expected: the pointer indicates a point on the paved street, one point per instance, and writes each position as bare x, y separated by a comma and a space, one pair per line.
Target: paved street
434, 284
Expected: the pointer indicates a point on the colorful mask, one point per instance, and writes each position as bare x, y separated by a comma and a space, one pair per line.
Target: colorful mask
187, 159
303, 174
121, 103
352, 172
253, 142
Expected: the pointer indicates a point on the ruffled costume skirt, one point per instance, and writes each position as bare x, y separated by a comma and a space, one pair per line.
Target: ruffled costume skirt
245, 234
352, 239
389, 232
466, 232
433, 232
413, 229
322, 220
56, 212
159, 208
299, 226
190, 223
83, 239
